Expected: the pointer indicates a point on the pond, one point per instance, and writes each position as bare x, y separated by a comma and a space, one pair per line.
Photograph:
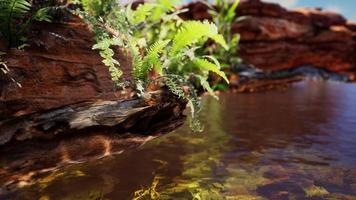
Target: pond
296, 144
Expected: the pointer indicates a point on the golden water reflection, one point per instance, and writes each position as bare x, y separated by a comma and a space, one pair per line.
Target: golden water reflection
299, 144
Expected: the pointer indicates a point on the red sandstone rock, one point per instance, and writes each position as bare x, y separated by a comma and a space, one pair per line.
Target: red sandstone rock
57, 69
351, 26
274, 38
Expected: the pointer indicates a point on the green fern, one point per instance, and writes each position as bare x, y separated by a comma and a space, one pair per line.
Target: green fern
141, 13
137, 72
97, 7
175, 85
12, 19
209, 66
163, 8
152, 59
158, 39
11, 10
231, 12
107, 54
105, 43
224, 15
193, 31
205, 84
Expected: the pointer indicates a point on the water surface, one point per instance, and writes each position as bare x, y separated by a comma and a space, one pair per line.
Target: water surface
297, 144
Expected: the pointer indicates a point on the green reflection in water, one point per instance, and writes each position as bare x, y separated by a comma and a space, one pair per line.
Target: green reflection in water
197, 179
241, 155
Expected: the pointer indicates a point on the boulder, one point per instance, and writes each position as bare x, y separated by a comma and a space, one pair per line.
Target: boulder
58, 68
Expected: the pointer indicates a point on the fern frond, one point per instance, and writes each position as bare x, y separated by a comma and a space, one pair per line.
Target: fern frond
12, 15
209, 66
215, 60
98, 7
231, 13
152, 59
139, 15
167, 5
193, 31
174, 84
11, 10
137, 60
105, 51
162, 9
205, 84
219, 39
41, 15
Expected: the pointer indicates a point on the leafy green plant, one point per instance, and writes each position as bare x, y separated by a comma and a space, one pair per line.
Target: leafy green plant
96, 7
173, 50
14, 20
107, 37
163, 48
224, 16
174, 43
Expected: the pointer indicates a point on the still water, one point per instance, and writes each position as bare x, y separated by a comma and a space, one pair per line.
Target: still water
297, 144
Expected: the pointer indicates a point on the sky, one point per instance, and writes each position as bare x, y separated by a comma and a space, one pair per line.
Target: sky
345, 7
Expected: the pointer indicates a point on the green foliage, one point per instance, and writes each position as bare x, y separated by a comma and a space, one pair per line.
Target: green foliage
105, 44
193, 31
97, 7
141, 13
160, 44
150, 61
14, 21
224, 15
178, 55
107, 54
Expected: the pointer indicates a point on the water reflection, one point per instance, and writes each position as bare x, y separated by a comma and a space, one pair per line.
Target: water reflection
278, 145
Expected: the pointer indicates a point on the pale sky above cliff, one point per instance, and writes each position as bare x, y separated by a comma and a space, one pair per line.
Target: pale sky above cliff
345, 7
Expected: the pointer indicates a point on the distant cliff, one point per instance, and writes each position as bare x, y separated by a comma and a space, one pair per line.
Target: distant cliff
274, 38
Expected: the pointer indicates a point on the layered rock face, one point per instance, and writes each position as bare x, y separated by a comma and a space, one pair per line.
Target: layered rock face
274, 38
68, 109
67, 89
58, 68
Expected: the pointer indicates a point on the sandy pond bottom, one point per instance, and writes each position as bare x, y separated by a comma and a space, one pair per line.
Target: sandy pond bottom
298, 144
